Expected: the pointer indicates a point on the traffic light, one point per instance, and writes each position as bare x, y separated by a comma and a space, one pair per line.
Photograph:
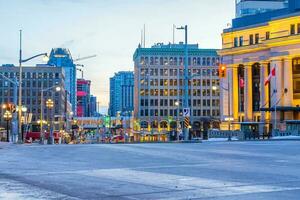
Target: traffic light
13, 108
222, 71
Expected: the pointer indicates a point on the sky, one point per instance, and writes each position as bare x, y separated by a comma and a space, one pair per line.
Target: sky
111, 29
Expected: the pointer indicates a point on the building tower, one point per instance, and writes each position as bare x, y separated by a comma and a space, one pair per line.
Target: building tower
121, 93
61, 57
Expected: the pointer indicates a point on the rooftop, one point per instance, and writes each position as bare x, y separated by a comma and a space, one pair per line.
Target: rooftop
173, 49
263, 18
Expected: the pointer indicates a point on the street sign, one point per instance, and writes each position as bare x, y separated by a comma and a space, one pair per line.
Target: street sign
186, 112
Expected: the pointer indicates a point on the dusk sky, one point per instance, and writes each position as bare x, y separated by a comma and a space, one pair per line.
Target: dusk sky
109, 28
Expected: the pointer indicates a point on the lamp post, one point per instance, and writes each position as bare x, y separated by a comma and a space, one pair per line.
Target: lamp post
23, 120
177, 118
20, 84
186, 79
50, 105
7, 117
57, 89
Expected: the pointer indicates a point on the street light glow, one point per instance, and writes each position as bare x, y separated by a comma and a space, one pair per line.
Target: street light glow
58, 89
46, 58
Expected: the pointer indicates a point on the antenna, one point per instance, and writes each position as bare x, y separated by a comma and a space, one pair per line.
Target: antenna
174, 27
142, 38
144, 35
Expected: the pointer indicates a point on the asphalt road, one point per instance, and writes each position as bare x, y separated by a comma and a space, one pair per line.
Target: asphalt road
211, 170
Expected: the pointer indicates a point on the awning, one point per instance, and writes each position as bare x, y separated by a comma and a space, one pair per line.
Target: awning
292, 121
280, 108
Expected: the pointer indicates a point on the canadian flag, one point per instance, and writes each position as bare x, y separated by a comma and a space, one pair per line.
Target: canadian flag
242, 83
273, 73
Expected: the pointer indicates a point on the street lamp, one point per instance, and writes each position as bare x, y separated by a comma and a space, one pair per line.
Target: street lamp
177, 104
57, 89
186, 78
7, 117
50, 105
21, 60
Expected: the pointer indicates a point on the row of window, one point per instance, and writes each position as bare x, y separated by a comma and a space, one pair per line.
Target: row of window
175, 92
255, 38
180, 72
174, 113
32, 74
175, 102
180, 82
293, 29
30, 84
179, 61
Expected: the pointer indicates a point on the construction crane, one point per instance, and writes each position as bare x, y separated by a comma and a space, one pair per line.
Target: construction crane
84, 58
80, 65
81, 70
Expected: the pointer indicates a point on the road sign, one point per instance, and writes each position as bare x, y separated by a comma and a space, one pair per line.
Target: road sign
186, 112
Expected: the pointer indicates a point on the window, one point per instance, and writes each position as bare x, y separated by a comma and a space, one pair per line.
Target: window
256, 38
236, 42
293, 31
208, 61
298, 28
241, 40
161, 60
250, 39
267, 35
296, 78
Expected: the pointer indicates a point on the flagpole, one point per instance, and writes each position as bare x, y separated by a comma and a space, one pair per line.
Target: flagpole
275, 117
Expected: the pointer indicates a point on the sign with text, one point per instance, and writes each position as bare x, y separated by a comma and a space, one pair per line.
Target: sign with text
186, 112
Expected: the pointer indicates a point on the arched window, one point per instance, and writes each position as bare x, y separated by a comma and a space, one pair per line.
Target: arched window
208, 61
151, 61
213, 61
161, 61
175, 61
198, 61
194, 61
203, 61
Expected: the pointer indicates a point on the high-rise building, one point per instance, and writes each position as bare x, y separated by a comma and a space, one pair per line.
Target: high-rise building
93, 106
61, 57
159, 86
251, 7
121, 93
34, 80
83, 98
262, 56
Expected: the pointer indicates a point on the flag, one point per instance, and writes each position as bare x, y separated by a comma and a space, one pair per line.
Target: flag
273, 73
242, 83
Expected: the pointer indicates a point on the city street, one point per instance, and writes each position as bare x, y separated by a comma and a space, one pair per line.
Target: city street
211, 170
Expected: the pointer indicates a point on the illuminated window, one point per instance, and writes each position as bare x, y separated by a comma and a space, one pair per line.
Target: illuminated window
256, 38
293, 30
267, 35
250, 39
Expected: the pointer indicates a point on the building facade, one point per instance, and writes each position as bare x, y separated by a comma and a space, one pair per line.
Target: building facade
253, 48
159, 86
252, 7
121, 93
60, 57
93, 106
34, 80
83, 98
